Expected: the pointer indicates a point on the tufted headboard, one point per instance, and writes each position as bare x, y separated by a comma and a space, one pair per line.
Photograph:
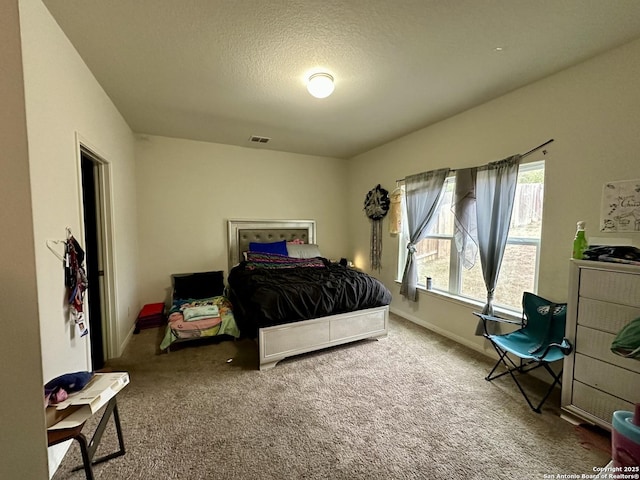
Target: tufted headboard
242, 232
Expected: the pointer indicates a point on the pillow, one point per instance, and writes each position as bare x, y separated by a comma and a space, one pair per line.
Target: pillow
269, 260
303, 250
279, 248
198, 285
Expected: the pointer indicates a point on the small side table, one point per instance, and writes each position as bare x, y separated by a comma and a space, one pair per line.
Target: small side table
88, 449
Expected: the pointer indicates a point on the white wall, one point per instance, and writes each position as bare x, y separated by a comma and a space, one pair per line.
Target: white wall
591, 110
22, 442
63, 101
187, 191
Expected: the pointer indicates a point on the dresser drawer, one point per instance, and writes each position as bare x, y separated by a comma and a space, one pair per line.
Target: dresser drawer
597, 403
615, 287
610, 317
597, 344
608, 378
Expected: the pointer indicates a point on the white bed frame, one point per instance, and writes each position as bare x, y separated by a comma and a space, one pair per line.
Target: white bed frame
281, 341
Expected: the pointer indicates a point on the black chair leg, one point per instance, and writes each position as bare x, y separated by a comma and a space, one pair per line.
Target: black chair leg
502, 360
556, 380
489, 377
526, 397
88, 448
86, 456
522, 368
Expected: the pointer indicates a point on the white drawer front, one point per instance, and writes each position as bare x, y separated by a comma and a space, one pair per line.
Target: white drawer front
616, 287
597, 403
610, 317
597, 344
616, 381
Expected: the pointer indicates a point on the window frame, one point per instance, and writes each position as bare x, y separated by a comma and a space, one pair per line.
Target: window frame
455, 268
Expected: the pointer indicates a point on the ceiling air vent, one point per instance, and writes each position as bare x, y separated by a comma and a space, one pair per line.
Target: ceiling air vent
258, 139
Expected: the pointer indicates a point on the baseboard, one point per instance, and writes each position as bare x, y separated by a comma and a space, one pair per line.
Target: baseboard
126, 340
440, 331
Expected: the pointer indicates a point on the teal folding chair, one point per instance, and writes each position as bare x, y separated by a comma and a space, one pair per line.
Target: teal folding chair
539, 342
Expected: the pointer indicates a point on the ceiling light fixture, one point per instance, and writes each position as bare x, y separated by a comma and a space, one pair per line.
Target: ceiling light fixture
320, 85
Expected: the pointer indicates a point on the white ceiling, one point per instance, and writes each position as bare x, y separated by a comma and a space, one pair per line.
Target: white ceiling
223, 70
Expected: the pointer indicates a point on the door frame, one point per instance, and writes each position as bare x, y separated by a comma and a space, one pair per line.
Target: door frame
105, 227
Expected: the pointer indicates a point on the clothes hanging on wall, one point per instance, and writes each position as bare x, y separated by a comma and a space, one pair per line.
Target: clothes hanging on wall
395, 212
75, 279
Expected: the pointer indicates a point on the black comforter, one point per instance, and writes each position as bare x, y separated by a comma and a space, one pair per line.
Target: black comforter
266, 297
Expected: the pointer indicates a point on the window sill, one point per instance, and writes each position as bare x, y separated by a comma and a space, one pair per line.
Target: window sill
467, 302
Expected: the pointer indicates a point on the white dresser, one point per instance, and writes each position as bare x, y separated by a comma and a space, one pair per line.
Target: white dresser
603, 298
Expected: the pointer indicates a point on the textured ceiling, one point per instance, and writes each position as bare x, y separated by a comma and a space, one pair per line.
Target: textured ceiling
223, 70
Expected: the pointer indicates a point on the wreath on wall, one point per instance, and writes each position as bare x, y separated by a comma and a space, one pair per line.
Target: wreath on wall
377, 203
376, 207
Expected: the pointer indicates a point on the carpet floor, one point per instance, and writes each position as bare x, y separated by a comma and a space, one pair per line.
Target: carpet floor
414, 405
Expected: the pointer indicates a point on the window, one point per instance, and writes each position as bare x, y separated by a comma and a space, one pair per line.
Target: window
437, 257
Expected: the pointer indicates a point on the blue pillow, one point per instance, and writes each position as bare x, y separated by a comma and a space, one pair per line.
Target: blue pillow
279, 248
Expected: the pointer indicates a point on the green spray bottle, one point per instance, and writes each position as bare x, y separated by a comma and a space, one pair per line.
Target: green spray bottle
579, 242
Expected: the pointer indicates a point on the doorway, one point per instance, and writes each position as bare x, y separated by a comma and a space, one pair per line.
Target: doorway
94, 180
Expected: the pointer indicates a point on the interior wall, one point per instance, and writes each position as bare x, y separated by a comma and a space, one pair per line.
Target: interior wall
64, 101
23, 442
187, 190
592, 110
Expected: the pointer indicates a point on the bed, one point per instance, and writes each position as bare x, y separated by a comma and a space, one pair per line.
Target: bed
301, 303
199, 309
